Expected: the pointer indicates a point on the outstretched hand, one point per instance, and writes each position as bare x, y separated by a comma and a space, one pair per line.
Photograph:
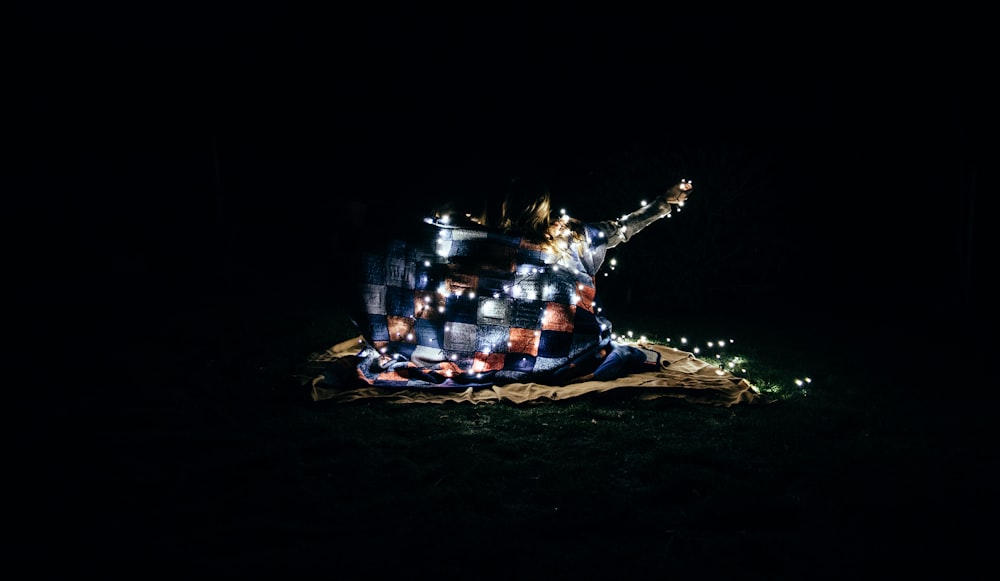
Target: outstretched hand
680, 192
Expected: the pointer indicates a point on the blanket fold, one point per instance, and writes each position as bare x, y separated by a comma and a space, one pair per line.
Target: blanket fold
331, 376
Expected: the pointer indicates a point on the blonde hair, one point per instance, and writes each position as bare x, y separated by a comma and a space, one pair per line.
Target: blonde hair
535, 222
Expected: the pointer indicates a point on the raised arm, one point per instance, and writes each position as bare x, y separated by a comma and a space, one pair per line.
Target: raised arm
623, 229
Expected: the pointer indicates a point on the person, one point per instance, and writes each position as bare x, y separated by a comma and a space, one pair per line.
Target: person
492, 300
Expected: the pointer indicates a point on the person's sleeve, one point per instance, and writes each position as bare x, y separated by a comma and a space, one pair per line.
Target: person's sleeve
622, 229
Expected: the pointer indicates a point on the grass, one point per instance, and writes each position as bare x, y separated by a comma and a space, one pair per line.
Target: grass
203, 456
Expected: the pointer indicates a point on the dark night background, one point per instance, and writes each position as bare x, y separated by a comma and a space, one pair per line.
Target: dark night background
166, 156
169, 152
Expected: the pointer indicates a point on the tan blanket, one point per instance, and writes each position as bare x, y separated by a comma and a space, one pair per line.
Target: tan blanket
681, 375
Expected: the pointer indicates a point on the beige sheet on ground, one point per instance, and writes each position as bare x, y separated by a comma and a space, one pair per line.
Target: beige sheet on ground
681, 375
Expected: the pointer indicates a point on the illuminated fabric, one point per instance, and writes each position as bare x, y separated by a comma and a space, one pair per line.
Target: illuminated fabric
679, 375
475, 307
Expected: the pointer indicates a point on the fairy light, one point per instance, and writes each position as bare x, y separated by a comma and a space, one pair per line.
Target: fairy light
564, 239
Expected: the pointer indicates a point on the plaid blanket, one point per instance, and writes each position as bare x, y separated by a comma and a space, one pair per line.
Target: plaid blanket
475, 307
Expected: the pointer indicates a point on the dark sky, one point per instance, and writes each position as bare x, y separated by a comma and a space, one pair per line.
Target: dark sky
829, 150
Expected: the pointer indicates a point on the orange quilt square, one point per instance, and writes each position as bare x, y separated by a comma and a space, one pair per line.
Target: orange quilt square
558, 317
524, 341
488, 361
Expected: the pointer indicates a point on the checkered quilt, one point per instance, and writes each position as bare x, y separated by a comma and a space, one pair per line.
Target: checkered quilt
474, 307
